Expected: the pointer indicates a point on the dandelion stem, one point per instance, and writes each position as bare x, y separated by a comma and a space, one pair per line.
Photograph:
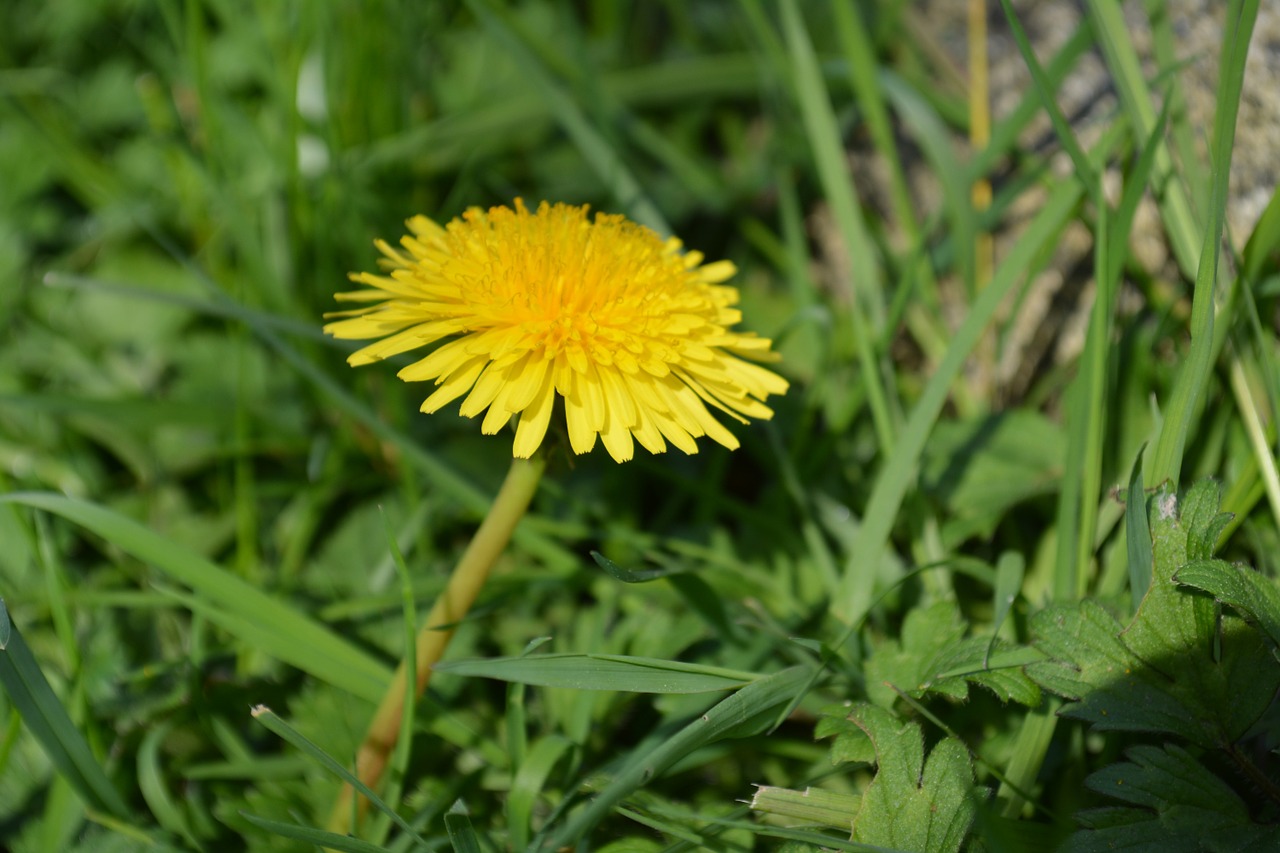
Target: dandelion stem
450, 608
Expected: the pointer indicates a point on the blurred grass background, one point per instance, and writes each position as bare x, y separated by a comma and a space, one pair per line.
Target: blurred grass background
185, 184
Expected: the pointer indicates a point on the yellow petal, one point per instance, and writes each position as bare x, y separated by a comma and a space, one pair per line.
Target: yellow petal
534, 420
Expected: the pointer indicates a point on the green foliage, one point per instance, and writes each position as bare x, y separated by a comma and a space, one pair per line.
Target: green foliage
1181, 667
913, 803
926, 559
1175, 804
934, 656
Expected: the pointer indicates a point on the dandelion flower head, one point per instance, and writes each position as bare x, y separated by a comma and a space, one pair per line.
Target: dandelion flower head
523, 307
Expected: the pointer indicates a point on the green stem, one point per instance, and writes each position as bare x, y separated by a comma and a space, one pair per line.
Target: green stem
450, 608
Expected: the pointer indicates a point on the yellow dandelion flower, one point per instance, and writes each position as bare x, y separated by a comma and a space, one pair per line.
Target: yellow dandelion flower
634, 334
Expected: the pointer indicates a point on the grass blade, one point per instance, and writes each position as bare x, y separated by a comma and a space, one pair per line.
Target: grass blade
461, 834
1137, 531
753, 705
292, 736
604, 672
321, 838
48, 721
1194, 377
837, 185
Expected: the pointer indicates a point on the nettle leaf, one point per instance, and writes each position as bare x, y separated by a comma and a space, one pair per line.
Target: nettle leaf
913, 804
1177, 804
932, 656
1181, 666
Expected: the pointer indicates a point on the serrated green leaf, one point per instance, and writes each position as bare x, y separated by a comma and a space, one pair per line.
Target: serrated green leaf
1177, 667
932, 657
1253, 596
851, 743
981, 661
603, 672
1181, 804
927, 633
913, 804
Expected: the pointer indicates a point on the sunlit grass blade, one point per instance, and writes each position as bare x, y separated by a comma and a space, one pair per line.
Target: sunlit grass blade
1114, 37
306, 644
867, 309
1190, 387
48, 721
404, 743
1084, 170
1032, 744
860, 58
922, 122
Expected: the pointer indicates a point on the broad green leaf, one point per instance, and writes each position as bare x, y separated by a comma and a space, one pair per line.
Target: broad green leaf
603, 672
913, 804
906, 663
1177, 804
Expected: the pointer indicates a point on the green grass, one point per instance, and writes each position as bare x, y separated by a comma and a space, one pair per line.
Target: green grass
896, 593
